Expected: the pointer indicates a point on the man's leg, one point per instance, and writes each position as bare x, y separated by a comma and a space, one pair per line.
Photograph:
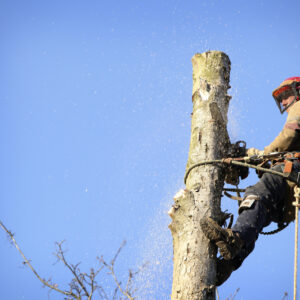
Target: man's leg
262, 204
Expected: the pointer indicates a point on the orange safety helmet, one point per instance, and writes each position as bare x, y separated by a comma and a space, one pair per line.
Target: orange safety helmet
289, 87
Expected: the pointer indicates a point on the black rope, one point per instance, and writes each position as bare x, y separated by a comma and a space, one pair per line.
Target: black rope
243, 164
234, 162
208, 162
234, 190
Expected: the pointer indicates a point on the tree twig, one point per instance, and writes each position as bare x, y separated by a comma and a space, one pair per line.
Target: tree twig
26, 261
73, 269
82, 284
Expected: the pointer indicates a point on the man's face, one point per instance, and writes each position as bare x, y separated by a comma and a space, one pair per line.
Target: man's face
288, 100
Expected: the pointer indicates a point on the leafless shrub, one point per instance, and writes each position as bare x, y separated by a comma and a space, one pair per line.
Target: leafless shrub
83, 285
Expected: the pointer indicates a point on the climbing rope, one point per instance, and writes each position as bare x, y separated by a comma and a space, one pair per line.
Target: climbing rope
234, 190
233, 162
297, 205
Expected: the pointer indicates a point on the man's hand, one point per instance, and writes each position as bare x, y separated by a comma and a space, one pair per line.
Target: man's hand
254, 151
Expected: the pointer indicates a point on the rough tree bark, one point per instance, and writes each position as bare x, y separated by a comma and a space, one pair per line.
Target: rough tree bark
194, 256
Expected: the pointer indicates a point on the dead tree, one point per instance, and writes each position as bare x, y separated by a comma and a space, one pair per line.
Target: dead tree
194, 256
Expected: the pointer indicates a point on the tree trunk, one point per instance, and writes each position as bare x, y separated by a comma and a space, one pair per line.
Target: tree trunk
194, 257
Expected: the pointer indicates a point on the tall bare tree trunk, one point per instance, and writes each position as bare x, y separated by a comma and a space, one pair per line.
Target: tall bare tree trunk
194, 256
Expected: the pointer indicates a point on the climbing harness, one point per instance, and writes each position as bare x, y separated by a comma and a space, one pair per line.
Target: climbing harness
261, 163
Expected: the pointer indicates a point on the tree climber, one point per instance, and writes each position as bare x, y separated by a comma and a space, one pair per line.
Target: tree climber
269, 199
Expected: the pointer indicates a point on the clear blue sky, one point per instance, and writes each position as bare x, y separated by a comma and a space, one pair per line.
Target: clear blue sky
95, 128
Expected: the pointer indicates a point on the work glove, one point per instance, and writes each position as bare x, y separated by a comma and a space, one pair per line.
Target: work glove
254, 151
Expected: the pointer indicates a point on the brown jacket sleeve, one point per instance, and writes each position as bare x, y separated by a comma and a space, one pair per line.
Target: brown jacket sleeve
289, 137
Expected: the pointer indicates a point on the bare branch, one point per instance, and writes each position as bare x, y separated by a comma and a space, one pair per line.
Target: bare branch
82, 284
100, 259
26, 261
112, 272
115, 293
235, 293
118, 252
129, 280
102, 293
72, 268
237, 290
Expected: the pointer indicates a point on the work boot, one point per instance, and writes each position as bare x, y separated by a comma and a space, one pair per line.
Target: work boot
228, 242
224, 270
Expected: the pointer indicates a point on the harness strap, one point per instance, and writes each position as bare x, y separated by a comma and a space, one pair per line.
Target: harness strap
288, 167
297, 154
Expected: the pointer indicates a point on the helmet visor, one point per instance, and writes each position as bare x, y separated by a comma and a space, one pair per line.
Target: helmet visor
283, 93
